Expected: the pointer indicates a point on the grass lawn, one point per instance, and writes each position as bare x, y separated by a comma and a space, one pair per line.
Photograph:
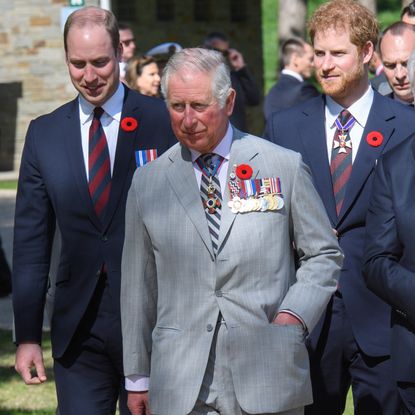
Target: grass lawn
16, 398
8, 184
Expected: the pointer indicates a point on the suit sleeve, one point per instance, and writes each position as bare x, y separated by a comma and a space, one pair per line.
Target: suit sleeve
33, 235
384, 274
249, 88
320, 258
138, 290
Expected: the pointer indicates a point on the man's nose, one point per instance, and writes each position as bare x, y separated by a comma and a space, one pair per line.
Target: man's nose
190, 119
89, 74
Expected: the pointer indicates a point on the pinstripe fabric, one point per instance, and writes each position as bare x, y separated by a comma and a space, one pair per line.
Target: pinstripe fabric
209, 161
99, 164
341, 162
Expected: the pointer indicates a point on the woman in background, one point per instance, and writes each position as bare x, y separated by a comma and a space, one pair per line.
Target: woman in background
142, 74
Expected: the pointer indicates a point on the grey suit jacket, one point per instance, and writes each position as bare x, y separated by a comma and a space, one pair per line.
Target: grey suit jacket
173, 288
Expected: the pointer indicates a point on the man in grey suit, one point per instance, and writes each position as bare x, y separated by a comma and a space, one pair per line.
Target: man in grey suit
216, 303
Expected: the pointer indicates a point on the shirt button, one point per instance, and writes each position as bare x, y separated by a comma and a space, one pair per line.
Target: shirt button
209, 327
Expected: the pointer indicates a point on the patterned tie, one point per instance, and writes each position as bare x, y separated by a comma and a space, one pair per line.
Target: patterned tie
341, 157
99, 165
211, 195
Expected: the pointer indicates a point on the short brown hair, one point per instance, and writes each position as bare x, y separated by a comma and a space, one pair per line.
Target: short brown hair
135, 68
92, 15
348, 15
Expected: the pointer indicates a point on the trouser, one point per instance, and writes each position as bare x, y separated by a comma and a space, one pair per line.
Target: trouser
89, 376
337, 363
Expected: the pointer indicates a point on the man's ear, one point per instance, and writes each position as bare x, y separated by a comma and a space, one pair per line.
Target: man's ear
230, 102
367, 51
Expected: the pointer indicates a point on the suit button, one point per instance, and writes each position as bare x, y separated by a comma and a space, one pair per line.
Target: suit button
218, 293
98, 274
209, 327
104, 238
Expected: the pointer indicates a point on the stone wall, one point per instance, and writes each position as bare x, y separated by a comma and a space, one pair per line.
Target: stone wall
33, 74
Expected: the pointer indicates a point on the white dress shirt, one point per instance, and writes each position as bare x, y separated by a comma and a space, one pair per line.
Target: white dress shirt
110, 121
294, 74
360, 111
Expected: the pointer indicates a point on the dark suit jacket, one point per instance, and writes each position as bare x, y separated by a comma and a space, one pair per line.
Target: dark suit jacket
302, 129
390, 248
287, 92
53, 189
247, 93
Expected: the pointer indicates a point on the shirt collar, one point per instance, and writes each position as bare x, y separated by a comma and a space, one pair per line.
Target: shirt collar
359, 109
294, 74
112, 107
223, 148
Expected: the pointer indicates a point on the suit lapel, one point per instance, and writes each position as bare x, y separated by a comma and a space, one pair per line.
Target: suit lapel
123, 157
73, 143
182, 179
311, 129
240, 154
378, 120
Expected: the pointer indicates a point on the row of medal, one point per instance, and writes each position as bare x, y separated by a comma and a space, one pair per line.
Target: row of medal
254, 195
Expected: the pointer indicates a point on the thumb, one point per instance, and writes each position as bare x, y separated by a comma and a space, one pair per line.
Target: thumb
40, 369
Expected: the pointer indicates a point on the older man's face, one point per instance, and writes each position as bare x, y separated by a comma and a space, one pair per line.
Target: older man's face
197, 119
395, 51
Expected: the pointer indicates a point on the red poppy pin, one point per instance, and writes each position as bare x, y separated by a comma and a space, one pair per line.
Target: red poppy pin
374, 138
244, 171
129, 124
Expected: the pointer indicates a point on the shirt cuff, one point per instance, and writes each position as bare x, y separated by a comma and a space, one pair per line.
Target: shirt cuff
137, 383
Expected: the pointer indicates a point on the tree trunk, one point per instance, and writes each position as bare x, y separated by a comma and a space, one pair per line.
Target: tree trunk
292, 19
370, 4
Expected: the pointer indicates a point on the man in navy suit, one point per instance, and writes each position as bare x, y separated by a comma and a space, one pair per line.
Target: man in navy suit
76, 169
292, 86
390, 259
340, 136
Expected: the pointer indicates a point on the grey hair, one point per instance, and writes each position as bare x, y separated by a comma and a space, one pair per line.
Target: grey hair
411, 68
201, 60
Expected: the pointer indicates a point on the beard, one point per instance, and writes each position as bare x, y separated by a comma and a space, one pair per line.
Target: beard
343, 85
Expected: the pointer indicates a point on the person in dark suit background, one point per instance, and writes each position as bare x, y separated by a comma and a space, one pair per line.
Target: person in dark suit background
390, 261
247, 92
408, 13
340, 136
292, 86
378, 81
395, 45
76, 169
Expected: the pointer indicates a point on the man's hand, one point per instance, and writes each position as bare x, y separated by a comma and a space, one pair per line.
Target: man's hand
285, 319
236, 59
138, 403
29, 355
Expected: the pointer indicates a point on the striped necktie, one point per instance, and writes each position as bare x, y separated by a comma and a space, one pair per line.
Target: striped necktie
341, 157
99, 165
211, 194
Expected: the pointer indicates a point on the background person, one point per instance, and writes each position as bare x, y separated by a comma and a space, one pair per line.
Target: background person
247, 92
292, 86
127, 40
395, 45
143, 75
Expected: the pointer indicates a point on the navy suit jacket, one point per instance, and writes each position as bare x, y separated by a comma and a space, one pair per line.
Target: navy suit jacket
53, 188
302, 129
287, 92
390, 250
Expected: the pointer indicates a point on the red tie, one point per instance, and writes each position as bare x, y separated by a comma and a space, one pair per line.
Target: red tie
99, 165
341, 158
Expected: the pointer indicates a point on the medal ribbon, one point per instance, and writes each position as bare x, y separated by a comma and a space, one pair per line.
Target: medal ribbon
204, 169
349, 124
